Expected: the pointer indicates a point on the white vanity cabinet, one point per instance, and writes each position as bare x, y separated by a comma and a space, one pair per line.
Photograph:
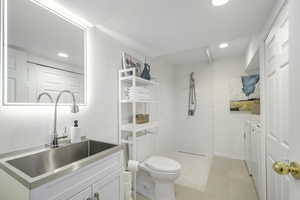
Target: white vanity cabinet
106, 189
96, 180
99, 180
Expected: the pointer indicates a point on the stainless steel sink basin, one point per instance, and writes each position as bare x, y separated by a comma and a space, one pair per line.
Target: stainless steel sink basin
40, 163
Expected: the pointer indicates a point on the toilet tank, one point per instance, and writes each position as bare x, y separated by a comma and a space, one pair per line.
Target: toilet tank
145, 147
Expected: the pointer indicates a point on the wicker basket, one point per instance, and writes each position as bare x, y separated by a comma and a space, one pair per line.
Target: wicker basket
141, 118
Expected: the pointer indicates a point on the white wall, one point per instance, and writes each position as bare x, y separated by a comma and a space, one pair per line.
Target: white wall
228, 126
23, 126
165, 75
194, 134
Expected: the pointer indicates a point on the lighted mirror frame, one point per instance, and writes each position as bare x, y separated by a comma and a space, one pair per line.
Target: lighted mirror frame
57, 10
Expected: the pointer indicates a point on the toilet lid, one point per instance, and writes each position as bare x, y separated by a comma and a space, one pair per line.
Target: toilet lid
164, 164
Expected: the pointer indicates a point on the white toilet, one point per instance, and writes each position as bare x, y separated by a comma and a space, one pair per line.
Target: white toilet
157, 174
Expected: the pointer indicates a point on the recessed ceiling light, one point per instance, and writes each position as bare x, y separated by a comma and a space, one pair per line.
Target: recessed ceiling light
63, 55
219, 2
223, 45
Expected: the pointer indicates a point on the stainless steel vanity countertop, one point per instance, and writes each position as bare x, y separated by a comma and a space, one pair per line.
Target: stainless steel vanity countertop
34, 182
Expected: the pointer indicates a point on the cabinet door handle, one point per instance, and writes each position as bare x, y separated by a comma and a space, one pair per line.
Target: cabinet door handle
97, 196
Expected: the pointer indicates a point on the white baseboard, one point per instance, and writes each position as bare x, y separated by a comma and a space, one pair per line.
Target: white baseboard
228, 156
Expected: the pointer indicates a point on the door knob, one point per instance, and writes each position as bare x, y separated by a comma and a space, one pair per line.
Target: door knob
282, 168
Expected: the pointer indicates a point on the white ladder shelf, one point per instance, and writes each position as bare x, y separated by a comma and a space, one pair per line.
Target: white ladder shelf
127, 77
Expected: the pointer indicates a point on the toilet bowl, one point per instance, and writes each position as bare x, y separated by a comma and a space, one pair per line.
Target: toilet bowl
157, 174
163, 172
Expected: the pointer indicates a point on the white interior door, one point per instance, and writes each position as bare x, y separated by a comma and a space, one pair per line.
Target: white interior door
283, 96
17, 90
294, 118
277, 101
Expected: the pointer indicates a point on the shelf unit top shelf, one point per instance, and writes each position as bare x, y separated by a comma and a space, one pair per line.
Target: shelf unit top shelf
138, 80
139, 127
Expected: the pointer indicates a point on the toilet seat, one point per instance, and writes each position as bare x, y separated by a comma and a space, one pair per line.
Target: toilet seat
163, 164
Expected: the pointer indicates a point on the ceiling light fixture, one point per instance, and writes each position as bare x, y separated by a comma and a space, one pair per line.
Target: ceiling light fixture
63, 55
223, 45
219, 2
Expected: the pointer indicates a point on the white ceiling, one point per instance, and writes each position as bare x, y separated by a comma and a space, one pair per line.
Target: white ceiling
43, 33
193, 56
178, 29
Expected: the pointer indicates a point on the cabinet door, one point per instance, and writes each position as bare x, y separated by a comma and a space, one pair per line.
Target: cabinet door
84, 195
107, 189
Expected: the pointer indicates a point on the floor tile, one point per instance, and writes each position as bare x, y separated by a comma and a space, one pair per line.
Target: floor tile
228, 180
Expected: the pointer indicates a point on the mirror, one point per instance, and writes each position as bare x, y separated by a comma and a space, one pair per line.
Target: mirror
44, 53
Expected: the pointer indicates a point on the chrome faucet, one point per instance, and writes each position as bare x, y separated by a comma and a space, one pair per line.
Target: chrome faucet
74, 109
46, 94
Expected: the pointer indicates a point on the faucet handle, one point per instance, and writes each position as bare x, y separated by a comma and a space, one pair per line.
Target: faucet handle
65, 132
62, 137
